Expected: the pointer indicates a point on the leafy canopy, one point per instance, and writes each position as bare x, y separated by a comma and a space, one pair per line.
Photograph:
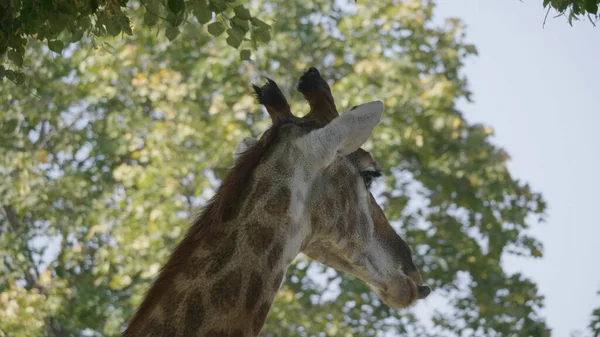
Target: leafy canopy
109, 154
59, 23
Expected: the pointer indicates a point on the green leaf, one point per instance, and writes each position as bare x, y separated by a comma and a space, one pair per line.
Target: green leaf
263, 35
125, 25
234, 41
471, 49
202, 13
57, 23
112, 27
242, 24
153, 6
76, 35
10, 74
218, 6
260, 24
174, 19
18, 78
176, 6
150, 19
591, 6
242, 12
236, 32
56, 46
216, 28
16, 57
245, 54
171, 33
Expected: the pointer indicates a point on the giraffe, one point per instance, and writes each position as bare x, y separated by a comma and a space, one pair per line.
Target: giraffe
302, 187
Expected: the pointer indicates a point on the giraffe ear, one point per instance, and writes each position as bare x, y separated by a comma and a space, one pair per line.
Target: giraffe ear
243, 146
343, 135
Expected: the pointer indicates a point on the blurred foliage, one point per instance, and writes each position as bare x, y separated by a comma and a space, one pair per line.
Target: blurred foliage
595, 323
108, 154
575, 9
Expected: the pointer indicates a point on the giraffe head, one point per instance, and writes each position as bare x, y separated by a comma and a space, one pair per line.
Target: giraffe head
333, 217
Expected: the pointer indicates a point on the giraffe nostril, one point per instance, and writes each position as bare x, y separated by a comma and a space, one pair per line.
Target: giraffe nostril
424, 291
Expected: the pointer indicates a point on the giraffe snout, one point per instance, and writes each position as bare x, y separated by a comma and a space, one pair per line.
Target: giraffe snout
415, 276
423, 291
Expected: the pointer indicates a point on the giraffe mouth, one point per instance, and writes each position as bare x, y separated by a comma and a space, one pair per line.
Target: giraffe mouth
422, 290
401, 293
398, 292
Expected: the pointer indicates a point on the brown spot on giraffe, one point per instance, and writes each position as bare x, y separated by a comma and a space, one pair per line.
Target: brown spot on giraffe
255, 286
274, 256
226, 291
261, 316
262, 187
279, 204
223, 253
197, 265
194, 314
160, 329
172, 300
259, 237
282, 169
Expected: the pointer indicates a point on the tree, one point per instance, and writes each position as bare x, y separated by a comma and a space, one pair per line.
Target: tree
111, 153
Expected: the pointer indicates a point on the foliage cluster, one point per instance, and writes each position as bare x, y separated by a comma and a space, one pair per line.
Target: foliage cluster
58, 23
575, 9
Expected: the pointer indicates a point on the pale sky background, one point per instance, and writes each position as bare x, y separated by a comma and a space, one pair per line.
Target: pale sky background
539, 89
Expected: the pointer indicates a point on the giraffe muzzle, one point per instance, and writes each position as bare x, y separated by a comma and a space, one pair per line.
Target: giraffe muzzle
423, 291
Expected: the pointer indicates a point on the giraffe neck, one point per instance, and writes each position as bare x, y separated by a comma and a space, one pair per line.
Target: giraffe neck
224, 275
224, 282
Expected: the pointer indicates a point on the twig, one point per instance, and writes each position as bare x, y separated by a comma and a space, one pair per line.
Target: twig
590, 18
546, 17
43, 133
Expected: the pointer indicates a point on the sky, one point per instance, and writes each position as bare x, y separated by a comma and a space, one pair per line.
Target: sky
539, 89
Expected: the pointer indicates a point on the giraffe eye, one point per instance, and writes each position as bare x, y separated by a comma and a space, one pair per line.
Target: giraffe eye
369, 176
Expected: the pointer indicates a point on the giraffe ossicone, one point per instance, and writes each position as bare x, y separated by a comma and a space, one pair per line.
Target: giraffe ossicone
302, 187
